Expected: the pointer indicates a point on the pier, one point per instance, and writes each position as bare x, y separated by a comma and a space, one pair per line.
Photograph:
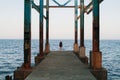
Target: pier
62, 65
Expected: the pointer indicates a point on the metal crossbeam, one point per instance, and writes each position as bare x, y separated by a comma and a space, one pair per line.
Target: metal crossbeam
90, 4
67, 2
36, 7
61, 4
89, 8
56, 2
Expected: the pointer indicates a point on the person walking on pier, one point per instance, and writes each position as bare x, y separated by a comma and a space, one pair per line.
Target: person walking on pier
60, 45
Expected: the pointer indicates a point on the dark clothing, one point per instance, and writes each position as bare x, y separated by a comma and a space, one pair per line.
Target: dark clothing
60, 44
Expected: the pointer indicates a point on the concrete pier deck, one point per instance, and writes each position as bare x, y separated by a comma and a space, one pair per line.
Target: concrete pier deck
61, 65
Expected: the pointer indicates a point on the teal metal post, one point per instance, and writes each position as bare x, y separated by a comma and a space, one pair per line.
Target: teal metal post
47, 22
76, 48
82, 23
47, 46
27, 34
76, 21
41, 28
95, 25
82, 49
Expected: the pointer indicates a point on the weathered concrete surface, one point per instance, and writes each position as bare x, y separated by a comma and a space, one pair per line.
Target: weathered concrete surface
61, 65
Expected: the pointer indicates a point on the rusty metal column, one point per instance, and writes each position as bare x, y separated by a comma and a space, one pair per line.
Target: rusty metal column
41, 28
40, 56
82, 55
97, 55
27, 34
76, 49
82, 23
47, 46
82, 47
21, 72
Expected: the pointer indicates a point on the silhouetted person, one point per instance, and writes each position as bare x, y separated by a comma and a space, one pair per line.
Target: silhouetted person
60, 45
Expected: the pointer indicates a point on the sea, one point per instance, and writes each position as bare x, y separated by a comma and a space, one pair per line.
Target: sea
11, 54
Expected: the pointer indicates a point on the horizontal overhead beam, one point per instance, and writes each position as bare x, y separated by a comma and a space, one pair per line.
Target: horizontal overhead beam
36, 6
61, 6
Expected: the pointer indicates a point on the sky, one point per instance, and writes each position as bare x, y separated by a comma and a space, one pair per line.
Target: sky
61, 21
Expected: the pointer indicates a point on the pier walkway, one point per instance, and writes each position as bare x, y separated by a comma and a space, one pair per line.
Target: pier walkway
61, 65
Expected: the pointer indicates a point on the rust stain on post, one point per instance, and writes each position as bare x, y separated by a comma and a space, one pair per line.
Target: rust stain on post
96, 34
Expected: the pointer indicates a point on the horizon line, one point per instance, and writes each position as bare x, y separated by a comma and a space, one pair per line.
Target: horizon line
50, 39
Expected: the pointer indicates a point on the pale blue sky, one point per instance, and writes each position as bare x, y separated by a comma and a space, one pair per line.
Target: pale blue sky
61, 21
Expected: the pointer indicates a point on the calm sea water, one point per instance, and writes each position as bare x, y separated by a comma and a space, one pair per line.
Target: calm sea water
11, 55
